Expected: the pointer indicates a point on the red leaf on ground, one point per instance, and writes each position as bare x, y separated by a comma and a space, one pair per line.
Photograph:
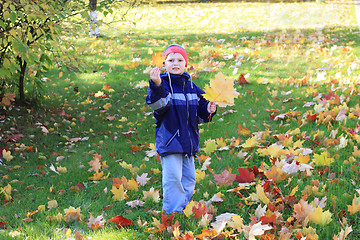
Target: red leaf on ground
121, 221
2, 224
242, 79
200, 211
245, 176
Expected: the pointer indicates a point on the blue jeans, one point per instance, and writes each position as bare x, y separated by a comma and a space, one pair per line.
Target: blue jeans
178, 179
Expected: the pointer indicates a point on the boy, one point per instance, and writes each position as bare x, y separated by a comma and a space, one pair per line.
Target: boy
178, 107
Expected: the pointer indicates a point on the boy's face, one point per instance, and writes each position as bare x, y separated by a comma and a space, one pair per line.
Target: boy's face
175, 63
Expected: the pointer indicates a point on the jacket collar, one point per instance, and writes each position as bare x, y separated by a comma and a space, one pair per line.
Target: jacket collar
176, 79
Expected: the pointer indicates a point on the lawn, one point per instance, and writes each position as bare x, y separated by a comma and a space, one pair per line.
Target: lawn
281, 163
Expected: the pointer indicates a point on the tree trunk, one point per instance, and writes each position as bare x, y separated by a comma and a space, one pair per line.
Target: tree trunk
357, 9
23, 65
93, 27
93, 4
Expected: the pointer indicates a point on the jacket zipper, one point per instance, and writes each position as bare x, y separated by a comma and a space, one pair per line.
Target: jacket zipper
187, 119
172, 138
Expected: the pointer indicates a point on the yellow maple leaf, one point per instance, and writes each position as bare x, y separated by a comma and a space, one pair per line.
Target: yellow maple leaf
99, 94
250, 143
126, 165
220, 142
106, 87
107, 106
176, 231
188, 209
97, 176
236, 222
104, 165
61, 169
356, 152
243, 131
273, 150
158, 59
302, 159
322, 159
261, 195
72, 214
320, 217
68, 233
7, 155
355, 206
200, 175
58, 217
276, 174
7, 192
221, 90
133, 185
210, 147
119, 193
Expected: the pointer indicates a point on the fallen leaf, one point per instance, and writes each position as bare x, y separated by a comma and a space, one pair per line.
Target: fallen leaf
320, 217
143, 179
226, 178
8, 98
72, 214
322, 159
245, 176
95, 223
355, 206
121, 221
119, 193
152, 194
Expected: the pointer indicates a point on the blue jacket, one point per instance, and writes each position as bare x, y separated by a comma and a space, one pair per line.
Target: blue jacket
178, 107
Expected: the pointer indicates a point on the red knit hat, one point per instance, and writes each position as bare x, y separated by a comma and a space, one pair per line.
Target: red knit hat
176, 49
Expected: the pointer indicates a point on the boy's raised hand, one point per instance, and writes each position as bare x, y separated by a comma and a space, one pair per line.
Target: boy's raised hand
155, 76
211, 107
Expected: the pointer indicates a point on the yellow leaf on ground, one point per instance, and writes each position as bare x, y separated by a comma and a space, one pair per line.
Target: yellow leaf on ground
261, 195
250, 143
133, 185
355, 206
188, 209
276, 174
97, 176
7, 155
72, 214
322, 159
356, 152
320, 217
210, 147
119, 193
7, 192
200, 175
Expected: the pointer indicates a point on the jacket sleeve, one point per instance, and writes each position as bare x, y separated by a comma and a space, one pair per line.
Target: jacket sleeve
203, 114
158, 97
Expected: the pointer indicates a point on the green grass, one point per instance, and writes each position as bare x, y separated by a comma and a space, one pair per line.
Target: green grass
283, 48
